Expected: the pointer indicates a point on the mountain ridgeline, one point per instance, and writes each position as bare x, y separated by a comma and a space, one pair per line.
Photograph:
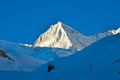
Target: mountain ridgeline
63, 36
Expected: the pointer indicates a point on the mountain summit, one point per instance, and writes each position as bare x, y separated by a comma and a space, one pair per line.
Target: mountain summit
62, 36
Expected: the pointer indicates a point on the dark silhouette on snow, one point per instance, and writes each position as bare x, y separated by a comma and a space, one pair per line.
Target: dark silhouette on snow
3, 54
50, 67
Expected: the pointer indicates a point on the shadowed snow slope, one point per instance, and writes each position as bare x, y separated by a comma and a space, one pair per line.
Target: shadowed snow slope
14, 59
100, 61
17, 57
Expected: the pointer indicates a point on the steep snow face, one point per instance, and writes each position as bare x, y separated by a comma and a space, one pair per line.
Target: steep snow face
100, 61
62, 36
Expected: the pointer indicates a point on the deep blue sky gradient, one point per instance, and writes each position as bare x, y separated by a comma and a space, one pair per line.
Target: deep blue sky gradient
22, 21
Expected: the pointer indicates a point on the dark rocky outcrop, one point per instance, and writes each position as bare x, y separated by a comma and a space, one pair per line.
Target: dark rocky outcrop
4, 54
50, 67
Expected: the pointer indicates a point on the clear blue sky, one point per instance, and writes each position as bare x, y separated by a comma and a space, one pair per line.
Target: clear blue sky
24, 20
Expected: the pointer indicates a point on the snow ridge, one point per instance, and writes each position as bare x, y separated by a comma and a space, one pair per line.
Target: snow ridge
99, 36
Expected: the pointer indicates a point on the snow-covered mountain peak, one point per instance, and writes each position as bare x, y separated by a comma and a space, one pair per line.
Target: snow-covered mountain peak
59, 23
62, 36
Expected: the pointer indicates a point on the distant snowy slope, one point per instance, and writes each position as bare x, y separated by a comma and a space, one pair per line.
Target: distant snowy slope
100, 61
99, 36
22, 57
13, 59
